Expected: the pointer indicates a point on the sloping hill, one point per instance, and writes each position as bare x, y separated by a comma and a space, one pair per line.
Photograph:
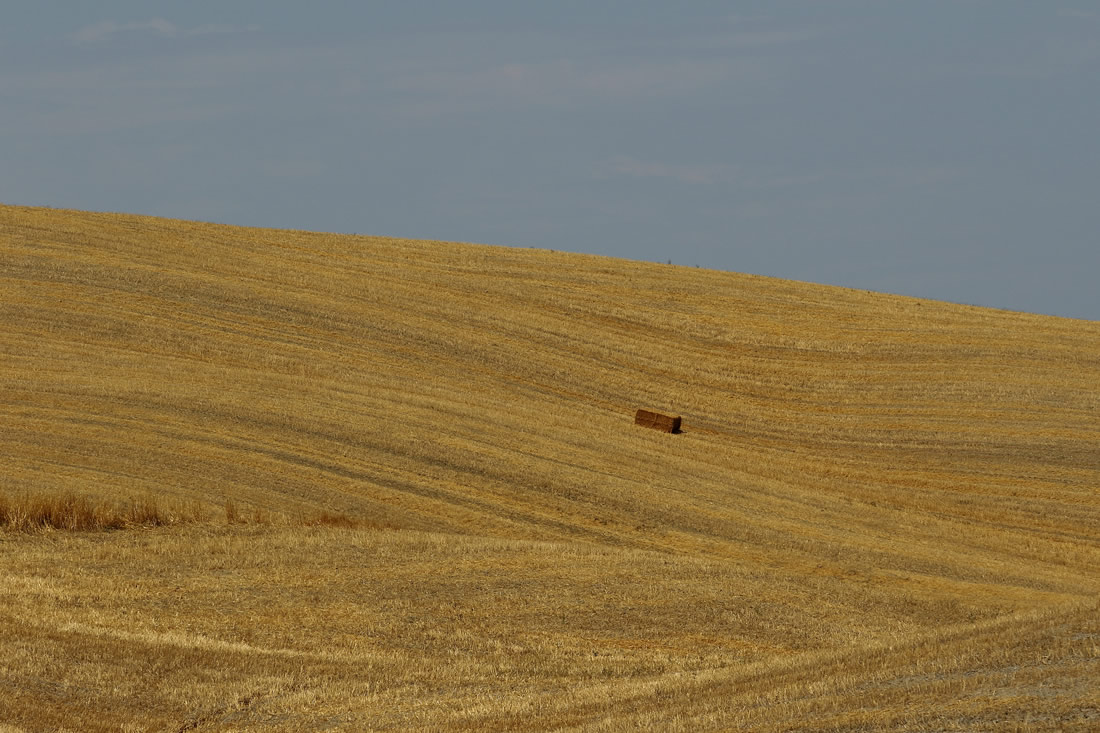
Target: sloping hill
872, 495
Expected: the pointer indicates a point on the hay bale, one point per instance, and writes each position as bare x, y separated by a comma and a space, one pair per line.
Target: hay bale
657, 421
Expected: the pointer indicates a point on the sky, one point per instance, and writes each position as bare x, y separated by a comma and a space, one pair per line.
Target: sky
945, 149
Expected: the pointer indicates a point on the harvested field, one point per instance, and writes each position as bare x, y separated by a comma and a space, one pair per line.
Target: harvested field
401, 488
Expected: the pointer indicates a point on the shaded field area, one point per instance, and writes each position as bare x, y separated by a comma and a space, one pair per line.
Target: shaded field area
269, 480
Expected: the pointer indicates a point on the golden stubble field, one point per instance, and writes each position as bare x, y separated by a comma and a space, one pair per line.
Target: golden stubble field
354, 483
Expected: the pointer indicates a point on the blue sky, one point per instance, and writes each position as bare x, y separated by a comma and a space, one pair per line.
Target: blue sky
943, 149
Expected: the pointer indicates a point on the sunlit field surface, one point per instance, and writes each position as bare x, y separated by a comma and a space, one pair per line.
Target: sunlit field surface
271, 480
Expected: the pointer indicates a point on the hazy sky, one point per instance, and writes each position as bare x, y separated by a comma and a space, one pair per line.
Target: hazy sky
946, 149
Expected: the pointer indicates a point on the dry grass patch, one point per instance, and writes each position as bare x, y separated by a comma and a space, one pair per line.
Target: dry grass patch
27, 512
24, 512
